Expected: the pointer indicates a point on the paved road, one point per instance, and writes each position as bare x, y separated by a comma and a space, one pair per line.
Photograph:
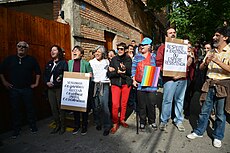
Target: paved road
124, 141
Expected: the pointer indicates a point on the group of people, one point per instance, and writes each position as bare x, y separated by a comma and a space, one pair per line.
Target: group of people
116, 78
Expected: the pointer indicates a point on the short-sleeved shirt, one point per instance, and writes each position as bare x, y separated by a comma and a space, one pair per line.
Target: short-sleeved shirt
214, 70
19, 71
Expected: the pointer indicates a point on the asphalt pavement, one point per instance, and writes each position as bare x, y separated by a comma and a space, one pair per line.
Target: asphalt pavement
125, 140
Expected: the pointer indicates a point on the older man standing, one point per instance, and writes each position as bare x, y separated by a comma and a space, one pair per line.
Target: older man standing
20, 69
216, 88
174, 90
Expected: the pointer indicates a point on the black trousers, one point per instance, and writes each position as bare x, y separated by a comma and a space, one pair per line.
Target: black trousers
146, 107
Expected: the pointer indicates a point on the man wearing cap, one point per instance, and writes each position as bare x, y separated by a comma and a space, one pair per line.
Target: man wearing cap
145, 95
174, 90
20, 69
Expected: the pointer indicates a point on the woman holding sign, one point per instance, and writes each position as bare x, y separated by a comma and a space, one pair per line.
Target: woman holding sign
119, 73
53, 74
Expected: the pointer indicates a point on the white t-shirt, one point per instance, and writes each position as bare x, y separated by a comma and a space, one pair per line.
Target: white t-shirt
100, 70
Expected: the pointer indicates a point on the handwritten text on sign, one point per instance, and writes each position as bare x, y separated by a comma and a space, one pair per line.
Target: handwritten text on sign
175, 58
75, 92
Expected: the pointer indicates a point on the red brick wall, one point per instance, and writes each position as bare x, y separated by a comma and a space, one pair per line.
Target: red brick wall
56, 8
126, 18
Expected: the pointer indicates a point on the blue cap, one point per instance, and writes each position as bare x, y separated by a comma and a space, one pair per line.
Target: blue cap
146, 41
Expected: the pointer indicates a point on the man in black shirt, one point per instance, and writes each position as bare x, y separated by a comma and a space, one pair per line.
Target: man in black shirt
19, 70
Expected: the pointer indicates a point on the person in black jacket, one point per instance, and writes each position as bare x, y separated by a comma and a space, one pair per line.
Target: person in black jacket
53, 76
119, 73
17, 75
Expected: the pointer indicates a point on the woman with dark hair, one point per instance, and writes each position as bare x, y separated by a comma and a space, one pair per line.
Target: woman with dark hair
119, 73
77, 64
53, 75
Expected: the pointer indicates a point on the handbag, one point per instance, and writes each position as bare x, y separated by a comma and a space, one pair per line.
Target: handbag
141, 66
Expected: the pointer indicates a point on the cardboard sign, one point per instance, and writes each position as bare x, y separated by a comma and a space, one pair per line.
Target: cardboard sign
75, 91
175, 57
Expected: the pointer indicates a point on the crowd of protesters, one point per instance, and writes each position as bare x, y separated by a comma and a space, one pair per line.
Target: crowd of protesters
115, 85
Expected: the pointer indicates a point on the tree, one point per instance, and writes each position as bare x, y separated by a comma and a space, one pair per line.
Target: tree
196, 18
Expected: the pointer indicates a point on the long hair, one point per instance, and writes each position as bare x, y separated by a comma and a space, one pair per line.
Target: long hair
60, 52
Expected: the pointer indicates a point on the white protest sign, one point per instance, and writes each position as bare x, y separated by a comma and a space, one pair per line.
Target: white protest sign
175, 58
75, 91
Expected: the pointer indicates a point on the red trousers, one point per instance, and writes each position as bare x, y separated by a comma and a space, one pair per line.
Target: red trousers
120, 97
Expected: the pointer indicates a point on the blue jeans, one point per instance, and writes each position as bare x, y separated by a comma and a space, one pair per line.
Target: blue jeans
26, 95
101, 108
173, 91
219, 124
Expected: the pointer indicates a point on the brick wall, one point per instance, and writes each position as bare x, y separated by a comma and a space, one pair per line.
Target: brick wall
124, 18
56, 8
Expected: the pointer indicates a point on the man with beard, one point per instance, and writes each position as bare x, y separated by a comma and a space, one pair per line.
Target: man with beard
216, 88
174, 90
20, 69
77, 64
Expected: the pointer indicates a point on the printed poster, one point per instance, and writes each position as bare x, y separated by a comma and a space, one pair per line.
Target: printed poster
75, 91
175, 57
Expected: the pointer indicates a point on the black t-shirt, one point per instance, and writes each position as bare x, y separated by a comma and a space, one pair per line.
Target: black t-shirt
19, 71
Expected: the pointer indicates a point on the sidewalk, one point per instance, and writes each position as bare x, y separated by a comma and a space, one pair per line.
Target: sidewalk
123, 141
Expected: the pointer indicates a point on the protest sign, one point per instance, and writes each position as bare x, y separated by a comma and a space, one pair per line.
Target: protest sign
75, 91
175, 57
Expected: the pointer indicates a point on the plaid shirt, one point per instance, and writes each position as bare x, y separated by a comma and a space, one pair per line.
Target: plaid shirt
215, 71
138, 58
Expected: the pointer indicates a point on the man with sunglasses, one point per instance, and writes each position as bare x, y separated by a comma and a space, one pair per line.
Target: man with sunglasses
19, 70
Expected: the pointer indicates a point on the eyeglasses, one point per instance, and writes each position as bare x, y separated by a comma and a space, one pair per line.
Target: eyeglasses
21, 46
120, 49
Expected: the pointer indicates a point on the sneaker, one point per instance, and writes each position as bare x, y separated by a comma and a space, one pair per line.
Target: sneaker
153, 126
216, 143
194, 136
15, 134
34, 130
84, 131
142, 127
180, 127
75, 130
163, 126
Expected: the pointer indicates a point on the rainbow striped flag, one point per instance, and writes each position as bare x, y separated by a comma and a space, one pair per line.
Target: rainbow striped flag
150, 76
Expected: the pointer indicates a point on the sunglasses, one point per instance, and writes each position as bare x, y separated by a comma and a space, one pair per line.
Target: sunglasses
120, 48
21, 46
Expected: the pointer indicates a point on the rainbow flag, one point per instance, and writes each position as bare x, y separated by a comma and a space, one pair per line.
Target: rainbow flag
150, 76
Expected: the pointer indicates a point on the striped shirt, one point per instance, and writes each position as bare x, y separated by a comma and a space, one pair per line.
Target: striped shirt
214, 70
138, 58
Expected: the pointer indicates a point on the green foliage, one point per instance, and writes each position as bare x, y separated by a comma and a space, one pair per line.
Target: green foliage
196, 18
